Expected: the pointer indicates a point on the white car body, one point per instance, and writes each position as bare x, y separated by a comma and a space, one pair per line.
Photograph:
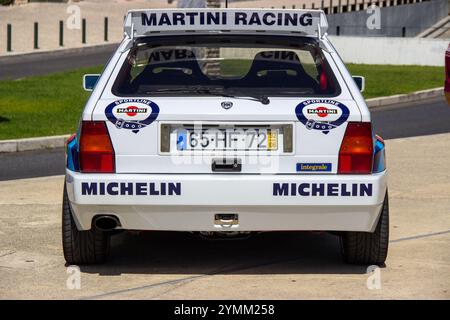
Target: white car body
181, 193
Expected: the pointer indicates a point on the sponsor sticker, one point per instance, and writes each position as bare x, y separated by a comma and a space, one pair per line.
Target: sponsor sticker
132, 114
225, 18
323, 189
313, 167
322, 114
130, 188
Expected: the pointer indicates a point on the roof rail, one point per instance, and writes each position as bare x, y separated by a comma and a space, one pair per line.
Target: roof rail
142, 23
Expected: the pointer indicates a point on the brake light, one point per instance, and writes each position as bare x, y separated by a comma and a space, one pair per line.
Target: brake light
356, 153
96, 150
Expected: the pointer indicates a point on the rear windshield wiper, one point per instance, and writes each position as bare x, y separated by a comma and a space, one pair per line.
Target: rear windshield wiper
240, 95
213, 91
232, 94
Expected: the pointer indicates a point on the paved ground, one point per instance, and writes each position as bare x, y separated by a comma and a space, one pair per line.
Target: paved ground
412, 119
31, 164
272, 265
16, 67
393, 122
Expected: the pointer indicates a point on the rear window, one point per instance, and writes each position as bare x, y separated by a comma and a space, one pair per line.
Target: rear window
270, 65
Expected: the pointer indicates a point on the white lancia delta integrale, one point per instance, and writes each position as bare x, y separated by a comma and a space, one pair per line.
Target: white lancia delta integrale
225, 123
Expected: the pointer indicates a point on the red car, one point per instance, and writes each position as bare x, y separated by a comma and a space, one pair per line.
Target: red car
447, 74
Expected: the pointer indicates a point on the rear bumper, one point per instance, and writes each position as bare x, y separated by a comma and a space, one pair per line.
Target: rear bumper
189, 202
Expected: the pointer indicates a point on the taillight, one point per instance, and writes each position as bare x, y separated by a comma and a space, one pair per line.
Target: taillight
96, 150
356, 153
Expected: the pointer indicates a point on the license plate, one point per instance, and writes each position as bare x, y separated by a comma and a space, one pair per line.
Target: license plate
240, 139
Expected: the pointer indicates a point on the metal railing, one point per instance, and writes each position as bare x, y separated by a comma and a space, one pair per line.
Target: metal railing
60, 27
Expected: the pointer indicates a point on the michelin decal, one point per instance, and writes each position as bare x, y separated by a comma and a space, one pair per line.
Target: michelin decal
132, 114
323, 189
174, 189
131, 189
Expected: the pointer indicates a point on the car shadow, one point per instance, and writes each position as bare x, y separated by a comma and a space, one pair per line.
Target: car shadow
189, 254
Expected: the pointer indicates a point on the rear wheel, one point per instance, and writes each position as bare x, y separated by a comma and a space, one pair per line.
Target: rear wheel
368, 247
81, 247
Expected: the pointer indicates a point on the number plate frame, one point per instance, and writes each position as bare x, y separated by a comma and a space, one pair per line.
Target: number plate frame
167, 137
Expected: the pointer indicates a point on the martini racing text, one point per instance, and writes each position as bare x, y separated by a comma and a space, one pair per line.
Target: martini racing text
223, 18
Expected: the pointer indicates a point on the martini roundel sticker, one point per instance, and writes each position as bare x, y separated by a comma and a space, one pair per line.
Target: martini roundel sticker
132, 114
322, 114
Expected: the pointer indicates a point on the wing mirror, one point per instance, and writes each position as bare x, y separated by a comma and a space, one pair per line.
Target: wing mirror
89, 81
360, 82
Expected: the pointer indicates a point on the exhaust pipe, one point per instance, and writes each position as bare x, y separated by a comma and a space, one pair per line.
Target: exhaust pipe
106, 223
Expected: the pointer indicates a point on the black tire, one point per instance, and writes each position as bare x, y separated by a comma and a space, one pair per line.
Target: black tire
81, 247
368, 248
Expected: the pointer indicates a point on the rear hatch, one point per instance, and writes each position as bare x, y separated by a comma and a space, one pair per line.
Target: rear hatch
234, 104
283, 141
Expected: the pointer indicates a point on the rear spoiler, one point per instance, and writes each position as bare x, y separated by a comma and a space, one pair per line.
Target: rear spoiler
143, 23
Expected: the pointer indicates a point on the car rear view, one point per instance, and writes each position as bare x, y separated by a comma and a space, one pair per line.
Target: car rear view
226, 123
